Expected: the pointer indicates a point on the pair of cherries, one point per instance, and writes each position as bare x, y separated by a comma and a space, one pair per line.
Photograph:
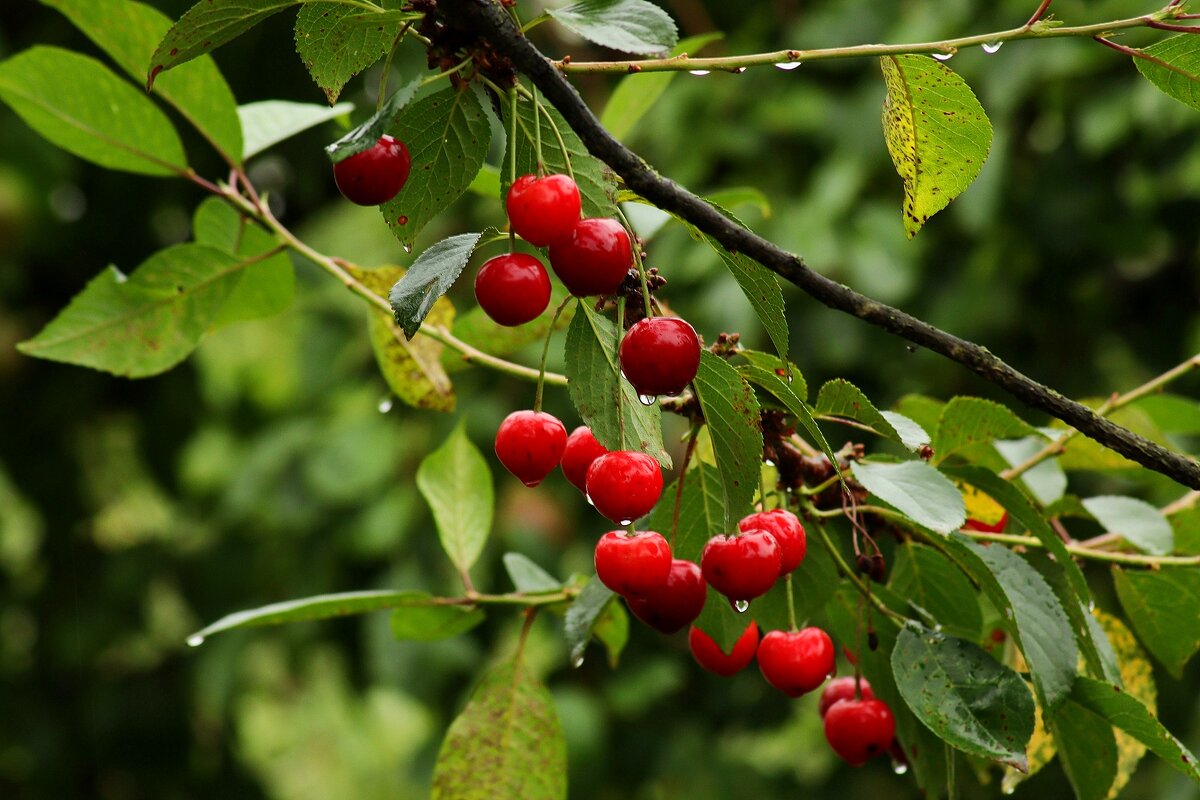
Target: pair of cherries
665, 593
794, 662
743, 566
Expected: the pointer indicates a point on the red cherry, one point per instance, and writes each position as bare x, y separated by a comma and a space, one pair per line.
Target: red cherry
843, 689
543, 211
513, 288
980, 525
594, 259
787, 530
660, 355
741, 567
582, 450
857, 730
795, 663
632, 564
709, 654
674, 604
530, 444
373, 176
624, 485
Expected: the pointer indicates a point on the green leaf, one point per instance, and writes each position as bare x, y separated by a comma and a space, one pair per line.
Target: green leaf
1136, 521
789, 374
507, 742
423, 622
528, 576
430, 277
724, 625
761, 288
1087, 750
310, 608
937, 134
964, 695
457, 484
128, 31
736, 196
1046, 481
1162, 608
1172, 413
597, 185
612, 630
912, 434
916, 489
925, 411
1032, 614
479, 330
591, 368
971, 421
1137, 680
926, 578
337, 41
147, 322
840, 399
701, 512
1173, 65
366, 135
770, 380
266, 287
267, 123
581, 619
731, 413
1129, 715
78, 104
412, 367
631, 26
447, 135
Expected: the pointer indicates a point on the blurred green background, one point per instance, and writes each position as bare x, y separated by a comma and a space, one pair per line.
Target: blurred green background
262, 469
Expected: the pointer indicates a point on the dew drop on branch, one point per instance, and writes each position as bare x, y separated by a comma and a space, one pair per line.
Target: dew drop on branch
698, 72
943, 56
787, 66
992, 47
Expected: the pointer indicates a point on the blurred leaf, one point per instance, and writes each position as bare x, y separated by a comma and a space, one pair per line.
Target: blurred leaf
1137, 678
1039, 752
457, 484
269, 122
583, 615
926, 578
591, 367
612, 629
964, 695
208, 25
925, 411
429, 278
78, 104
310, 608
507, 742
486, 182
937, 134
736, 196
528, 576
1175, 68
479, 330
1087, 750
428, 622
1136, 521
1172, 413
1186, 525
635, 95
337, 41
631, 26
731, 414
841, 399
128, 31
447, 135
701, 512
366, 135
916, 489
1046, 481
266, 287
968, 421
1162, 608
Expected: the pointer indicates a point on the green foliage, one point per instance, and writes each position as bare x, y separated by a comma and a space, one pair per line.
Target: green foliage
916, 489
761, 288
414, 296
269, 122
967, 422
1173, 65
701, 512
633, 26
337, 41
1087, 750
310, 608
1136, 521
457, 483
635, 95
366, 135
1162, 607
208, 25
266, 286
584, 615
840, 399
930, 581
528, 576
427, 622
731, 412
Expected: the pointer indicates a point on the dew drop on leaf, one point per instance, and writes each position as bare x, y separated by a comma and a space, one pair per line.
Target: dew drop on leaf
195, 641
385, 405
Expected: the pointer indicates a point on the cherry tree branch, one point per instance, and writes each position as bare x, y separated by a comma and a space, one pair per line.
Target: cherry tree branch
488, 20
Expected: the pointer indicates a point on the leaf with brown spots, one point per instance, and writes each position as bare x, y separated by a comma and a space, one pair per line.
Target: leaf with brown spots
337, 41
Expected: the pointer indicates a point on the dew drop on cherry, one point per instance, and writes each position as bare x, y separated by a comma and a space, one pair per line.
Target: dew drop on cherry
626, 522
741, 606
899, 767
647, 399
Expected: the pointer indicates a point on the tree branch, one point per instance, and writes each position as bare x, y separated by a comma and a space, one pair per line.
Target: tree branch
488, 20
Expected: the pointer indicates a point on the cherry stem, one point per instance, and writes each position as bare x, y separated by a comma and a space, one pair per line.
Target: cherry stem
951, 778
1039, 13
637, 260
512, 158
537, 132
848, 572
530, 615
617, 369
787, 579
683, 468
537, 398
381, 94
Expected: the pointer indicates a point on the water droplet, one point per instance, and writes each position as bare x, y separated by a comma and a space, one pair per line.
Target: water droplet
741, 606
195, 641
943, 56
1007, 788
385, 405
118, 276
787, 66
937, 628
698, 72
899, 767
992, 47
1091, 605
768, 462
647, 399
578, 662
625, 522
407, 248
591, 502
738, 70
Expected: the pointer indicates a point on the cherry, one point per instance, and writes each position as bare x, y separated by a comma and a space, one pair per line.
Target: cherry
857, 730
543, 211
594, 259
709, 654
530, 444
632, 564
513, 288
582, 450
979, 525
787, 530
660, 355
741, 567
624, 485
373, 176
843, 689
674, 604
796, 662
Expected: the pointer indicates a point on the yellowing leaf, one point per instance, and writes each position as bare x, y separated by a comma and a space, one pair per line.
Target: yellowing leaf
1138, 677
980, 506
1040, 751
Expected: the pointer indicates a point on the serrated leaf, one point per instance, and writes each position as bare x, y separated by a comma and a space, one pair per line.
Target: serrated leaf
267, 123
128, 31
631, 26
925, 411
1087, 750
761, 288
456, 482
412, 367
701, 512
528, 576
309, 608
480, 331
912, 434
789, 374
916, 489
814, 582
78, 104
937, 133
1162, 605
1173, 65
970, 421
840, 399
507, 742
591, 368
1136, 521
635, 95
337, 41
447, 135
1137, 679
1039, 752
1132, 717
926, 578
964, 695
365, 135
428, 622
145, 323
580, 621
266, 287
597, 185
1046, 481
731, 413
429, 278
770, 380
